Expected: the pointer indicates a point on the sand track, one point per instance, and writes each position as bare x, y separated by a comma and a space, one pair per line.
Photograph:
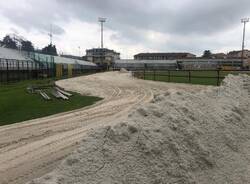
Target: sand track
32, 148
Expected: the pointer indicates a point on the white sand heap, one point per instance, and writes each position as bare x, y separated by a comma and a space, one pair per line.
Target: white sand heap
178, 138
123, 70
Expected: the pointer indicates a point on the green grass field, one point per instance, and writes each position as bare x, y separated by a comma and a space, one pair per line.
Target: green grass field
17, 105
197, 77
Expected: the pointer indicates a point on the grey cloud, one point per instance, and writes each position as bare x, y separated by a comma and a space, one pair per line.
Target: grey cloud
57, 29
191, 16
131, 18
40, 15
195, 16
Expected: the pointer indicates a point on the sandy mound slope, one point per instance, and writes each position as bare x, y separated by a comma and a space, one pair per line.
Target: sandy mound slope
178, 138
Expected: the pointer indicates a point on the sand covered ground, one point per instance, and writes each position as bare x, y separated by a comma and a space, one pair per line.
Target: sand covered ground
33, 148
175, 136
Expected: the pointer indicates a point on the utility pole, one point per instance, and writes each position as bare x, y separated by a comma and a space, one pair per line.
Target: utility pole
101, 20
244, 21
50, 34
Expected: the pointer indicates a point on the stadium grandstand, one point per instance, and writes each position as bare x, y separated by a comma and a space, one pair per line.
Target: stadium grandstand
184, 64
21, 65
131, 64
210, 64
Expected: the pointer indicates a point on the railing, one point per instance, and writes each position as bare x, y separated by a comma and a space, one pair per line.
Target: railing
208, 77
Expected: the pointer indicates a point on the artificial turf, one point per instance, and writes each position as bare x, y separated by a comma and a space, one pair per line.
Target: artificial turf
17, 105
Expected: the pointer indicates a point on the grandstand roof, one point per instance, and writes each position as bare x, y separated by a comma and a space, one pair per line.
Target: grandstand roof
12, 54
64, 60
145, 61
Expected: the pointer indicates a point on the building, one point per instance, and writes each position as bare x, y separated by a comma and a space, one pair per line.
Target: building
163, 56
246, 63
102, 56
237, 54
219, 56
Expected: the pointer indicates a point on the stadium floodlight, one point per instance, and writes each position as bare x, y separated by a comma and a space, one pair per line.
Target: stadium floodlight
102, 20
244, 21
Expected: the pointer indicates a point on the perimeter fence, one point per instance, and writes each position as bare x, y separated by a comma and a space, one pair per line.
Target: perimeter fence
16, 70
207, 77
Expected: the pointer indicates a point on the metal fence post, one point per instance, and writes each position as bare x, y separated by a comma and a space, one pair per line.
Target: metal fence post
189, 76
36, 70
28, 73
32, 69
7, 72
18, 69
218, 77
168, 75
22, 70
144, 73
48, 72
1, 68
154, 75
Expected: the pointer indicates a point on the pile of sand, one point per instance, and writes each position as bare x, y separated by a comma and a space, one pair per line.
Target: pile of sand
177, 138
123, 70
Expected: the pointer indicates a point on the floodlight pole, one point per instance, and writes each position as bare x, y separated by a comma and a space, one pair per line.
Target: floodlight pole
244, 21
101, 34
102, 20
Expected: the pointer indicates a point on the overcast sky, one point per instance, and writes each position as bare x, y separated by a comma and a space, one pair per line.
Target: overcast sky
132, 25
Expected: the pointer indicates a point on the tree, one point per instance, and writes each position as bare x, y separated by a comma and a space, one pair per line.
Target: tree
50, 49
9, 42
207, 54
27, 46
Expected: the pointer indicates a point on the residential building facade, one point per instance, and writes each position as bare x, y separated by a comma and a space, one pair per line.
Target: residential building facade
102, 56
237, 54
219, 56
163, 56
